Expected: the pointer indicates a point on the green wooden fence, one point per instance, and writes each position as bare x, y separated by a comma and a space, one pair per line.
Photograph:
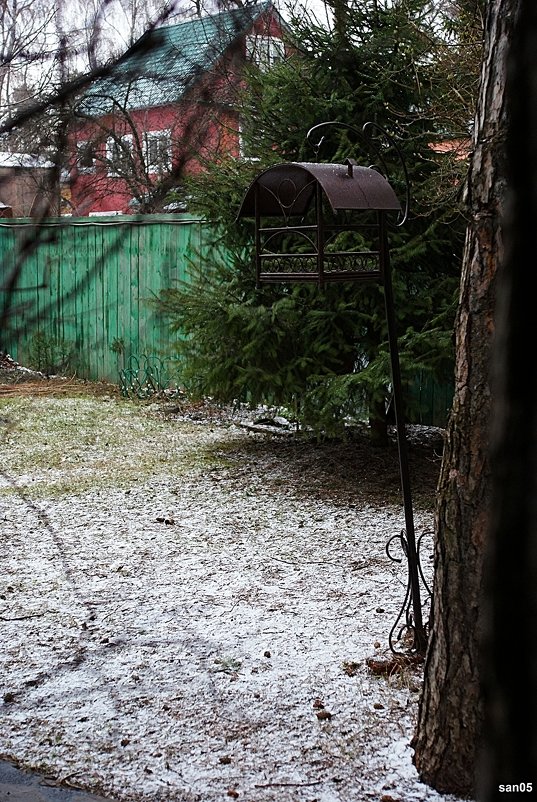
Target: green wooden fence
429, 402
84, 298
83, 302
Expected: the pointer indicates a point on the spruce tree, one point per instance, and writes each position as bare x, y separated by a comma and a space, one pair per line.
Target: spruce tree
324, 352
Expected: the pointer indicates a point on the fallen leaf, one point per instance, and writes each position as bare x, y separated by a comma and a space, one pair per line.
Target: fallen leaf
392, 665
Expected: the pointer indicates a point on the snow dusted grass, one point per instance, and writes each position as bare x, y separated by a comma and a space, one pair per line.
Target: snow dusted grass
88, 443
178, 627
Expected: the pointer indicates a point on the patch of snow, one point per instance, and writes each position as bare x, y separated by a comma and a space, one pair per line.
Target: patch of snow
177, 640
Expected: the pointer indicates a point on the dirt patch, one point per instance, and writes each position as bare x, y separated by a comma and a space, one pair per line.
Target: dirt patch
16, 380
53, 386
347, 473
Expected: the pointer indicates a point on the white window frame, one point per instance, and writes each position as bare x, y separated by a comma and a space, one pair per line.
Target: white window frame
264, 51
162, 164
80, 146
242, 151
126, 142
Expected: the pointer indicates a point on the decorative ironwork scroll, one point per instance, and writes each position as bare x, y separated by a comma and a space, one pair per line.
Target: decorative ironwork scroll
142, 378
373, 137
404, 629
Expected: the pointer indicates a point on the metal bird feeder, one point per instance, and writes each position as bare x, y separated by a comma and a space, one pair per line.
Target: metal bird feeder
329, 223
308, 246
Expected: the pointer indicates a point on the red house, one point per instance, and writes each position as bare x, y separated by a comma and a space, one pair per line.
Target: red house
166, 108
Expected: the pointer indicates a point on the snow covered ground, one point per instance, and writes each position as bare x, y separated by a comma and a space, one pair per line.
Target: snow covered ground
174, 633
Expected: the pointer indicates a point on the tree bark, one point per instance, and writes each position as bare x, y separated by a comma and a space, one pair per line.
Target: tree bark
510, 665
450, 718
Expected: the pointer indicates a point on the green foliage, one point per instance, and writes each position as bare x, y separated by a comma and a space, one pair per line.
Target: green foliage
324, 352
118, 345
49, 355
260, 345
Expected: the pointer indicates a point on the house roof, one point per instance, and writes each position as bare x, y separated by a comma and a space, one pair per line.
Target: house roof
166, 61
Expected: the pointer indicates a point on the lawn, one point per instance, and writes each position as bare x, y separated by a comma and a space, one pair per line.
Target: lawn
187, 603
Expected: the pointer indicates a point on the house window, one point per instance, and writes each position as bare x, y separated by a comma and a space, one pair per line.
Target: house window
119, 155
85, 156
157, 151
245, 150
264, 51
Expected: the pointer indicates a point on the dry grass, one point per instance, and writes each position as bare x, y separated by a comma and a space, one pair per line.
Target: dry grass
53, 386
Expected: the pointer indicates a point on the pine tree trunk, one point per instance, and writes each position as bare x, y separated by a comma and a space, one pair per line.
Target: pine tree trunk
449, 729
510, 667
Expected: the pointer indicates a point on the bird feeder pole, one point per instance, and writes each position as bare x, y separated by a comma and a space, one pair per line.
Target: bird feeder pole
304, 248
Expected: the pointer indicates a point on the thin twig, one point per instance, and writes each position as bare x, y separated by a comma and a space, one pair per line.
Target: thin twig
22, 617
288, 785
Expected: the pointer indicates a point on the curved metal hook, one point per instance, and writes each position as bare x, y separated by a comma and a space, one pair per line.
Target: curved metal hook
329, 124
367, 138
391, 141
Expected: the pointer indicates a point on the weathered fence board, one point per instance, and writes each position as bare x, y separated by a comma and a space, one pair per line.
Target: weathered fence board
84, 298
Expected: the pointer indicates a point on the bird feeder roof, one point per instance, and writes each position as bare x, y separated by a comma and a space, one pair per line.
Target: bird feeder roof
288, 189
